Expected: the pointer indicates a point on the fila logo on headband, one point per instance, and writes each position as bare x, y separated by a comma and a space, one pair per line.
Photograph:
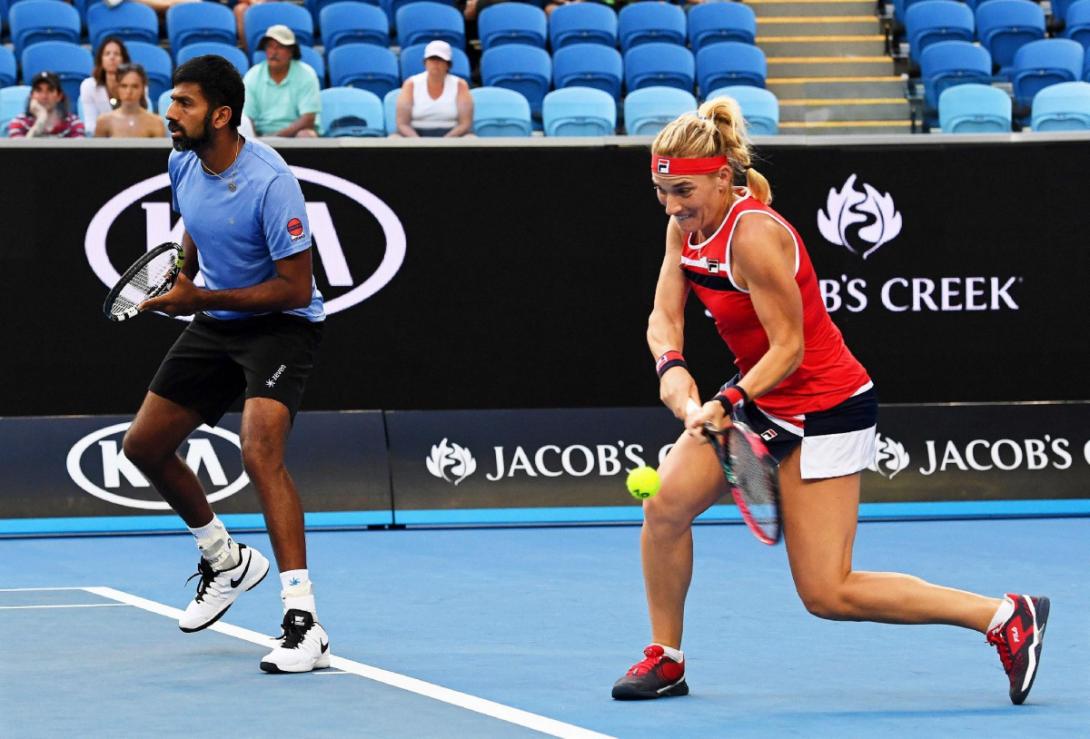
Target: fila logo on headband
662, 166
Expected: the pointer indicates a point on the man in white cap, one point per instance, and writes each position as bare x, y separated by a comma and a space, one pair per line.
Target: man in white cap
435, 102
282, 92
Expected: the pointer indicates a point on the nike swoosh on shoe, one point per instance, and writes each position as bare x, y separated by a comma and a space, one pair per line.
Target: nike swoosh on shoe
236, 583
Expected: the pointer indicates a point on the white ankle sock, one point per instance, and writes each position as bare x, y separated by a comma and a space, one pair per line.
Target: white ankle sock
216, 545
675, 654
297, 591
1002, 614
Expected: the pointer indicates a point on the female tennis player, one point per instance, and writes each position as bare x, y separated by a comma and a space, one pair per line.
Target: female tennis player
799, 387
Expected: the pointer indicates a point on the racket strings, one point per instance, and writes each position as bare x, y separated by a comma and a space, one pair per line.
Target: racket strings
756, 480
147, 282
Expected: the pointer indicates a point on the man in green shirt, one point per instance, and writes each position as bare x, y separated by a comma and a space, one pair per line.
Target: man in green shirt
282, 92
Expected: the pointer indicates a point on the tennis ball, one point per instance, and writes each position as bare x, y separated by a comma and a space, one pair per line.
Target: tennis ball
643, 482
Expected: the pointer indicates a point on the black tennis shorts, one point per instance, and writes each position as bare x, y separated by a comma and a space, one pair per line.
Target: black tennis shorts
214, 361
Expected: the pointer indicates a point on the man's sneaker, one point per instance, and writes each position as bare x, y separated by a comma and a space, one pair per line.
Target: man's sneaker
656, 676
1019, 642
304, 645
216, 591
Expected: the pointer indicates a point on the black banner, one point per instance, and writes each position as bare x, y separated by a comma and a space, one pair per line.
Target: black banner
499, 277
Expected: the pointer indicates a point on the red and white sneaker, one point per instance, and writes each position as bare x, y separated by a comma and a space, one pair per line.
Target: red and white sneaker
1019, 642
656, 676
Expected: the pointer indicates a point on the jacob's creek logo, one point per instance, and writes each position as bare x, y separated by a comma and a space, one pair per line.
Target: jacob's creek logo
890, 457
97, 464
859, 221
335, 256
452, 462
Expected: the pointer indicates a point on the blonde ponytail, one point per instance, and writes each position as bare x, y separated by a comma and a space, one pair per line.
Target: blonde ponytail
717, 128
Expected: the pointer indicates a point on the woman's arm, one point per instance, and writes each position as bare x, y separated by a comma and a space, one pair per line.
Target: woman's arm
405, 111
666, 325
465, 111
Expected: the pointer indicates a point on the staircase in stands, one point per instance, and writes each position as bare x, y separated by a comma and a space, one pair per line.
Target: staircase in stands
827, 64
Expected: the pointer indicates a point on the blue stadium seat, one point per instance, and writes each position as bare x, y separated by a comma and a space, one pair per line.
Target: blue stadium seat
354, 23
3, 22
653, 22
232, 54
760, 108
499, 112
1060, 9
659, 65
13, 102
365, 66
730, 63
512, 23
393, 6
711, 23
424, 21
412, 62
162, 103
156, 62
315, 8
71, 63
1077, 26
525, 69
43, 20
258, 18
900, 8
949, 63
348, 111
307, 54
647, 111
8, 73
389, 110
1003, 26
589, 65
937, 20
1062, 107
579, 111
974, 108
582, 23
1039, 64
191, 23
128, 22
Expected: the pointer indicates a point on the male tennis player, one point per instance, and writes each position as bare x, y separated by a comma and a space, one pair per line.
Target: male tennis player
257, 329
800, 388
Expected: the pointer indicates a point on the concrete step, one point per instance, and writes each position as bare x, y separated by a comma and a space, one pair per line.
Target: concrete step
834, 109
821, 25
868, 45
880, 86
777, 8
836, 128
830, 66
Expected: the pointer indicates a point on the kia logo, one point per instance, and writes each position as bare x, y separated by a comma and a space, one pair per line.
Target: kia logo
327, 242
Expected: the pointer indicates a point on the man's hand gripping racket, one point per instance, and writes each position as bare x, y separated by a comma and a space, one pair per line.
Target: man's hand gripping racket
150, 276
751, 473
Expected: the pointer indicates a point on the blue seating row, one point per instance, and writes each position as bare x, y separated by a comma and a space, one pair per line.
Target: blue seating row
975, 108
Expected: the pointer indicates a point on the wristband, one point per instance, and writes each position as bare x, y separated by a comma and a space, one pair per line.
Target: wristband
732, 397
670, 358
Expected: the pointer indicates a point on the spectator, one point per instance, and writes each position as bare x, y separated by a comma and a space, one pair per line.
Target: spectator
282, 92
240, 18
46, 112
98, 93
131, 119
435, 102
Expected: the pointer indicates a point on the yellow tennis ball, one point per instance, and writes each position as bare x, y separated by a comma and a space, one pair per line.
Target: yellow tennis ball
643, 482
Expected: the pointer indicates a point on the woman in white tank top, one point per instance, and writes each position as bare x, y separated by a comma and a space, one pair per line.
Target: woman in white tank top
435, 102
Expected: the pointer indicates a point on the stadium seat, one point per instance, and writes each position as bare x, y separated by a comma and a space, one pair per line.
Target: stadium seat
1039, 64
33, 21
393, 6
353, 23
13, 102
8, 73
347, 111
711, 23
659, 65
730, 63
156, 62
948, 63
937, 20
974, 108
760, 108
651, 22
648, 110
1060, 9
307, 54
589, 65
583, 23
424, 21
1003, 26
162, 103
128, 22
389, 110
579, 111
1077, 26
412, 62
900, 8
499, 112
1062, 107
3, 22
365, 66
525, 69
191, 23
258, 18
70, 62
232, 54
512, 23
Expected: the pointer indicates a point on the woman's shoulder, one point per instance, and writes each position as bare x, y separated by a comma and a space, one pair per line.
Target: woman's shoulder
87, 87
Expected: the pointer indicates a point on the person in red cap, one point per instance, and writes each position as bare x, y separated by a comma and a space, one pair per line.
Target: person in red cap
47, 114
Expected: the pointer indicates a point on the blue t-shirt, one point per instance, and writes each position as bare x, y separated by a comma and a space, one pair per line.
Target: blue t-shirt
240, 233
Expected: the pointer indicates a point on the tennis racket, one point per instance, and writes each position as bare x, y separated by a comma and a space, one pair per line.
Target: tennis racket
150, 276
752, 475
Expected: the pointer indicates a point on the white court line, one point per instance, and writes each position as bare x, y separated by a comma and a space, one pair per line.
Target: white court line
33, 590
68, 605
495, 710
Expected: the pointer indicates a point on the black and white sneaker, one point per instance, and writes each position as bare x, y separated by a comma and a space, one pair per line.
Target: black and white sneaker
216, 591
304, 645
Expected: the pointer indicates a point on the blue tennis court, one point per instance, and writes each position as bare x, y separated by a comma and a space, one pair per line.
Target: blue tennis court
520, 631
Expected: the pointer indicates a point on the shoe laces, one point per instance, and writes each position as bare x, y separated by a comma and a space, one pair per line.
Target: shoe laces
997, 640
654, 655
207, 575
294, 629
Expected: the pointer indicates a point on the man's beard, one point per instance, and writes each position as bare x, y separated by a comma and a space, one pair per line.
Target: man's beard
186, 143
